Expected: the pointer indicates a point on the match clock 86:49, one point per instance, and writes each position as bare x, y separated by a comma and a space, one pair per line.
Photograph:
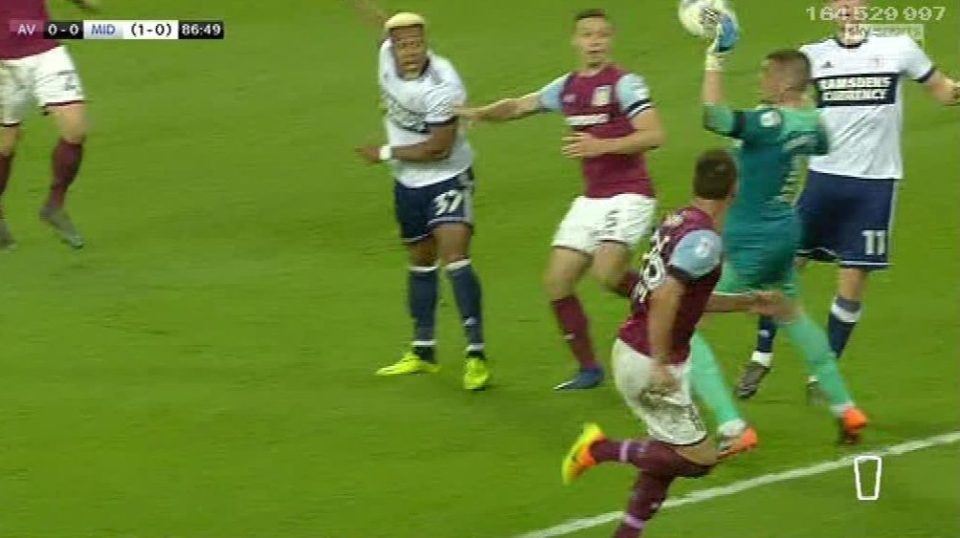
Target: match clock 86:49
201, 30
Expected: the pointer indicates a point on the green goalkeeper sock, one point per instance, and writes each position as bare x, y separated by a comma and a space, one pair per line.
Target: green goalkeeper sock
812, 342
709, 386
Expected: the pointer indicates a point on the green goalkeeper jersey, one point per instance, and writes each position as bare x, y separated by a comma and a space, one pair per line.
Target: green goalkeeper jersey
761, 231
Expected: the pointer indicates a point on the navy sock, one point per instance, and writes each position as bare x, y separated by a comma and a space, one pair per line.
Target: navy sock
766, 332
466, 289
844, 315
422, 301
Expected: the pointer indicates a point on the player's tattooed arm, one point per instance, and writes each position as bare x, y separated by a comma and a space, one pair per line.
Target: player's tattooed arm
943, 89
504, 109
766, 303
648, 134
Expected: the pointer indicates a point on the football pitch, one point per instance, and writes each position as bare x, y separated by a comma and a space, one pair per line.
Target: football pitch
205, 367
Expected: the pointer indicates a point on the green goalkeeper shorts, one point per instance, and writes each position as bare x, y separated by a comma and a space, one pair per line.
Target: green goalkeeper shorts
731, 283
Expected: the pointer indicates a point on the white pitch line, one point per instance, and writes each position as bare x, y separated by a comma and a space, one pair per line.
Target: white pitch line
574, 525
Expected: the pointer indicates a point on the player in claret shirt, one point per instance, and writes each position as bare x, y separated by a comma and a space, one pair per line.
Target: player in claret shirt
614, 124
651, 355
38, 70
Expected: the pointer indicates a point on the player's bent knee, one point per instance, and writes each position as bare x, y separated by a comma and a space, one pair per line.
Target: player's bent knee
852, 283
610, 264
71, 122
558, 285
453, 241
74, 134
422, 253
609, 277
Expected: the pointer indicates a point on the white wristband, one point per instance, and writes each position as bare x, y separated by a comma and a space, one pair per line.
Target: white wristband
714, 62
386, 153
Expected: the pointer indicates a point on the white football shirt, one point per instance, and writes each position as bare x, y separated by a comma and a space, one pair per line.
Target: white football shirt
413, 106
860, 95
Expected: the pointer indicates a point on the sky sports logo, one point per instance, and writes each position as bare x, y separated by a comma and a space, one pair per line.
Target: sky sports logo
860, 32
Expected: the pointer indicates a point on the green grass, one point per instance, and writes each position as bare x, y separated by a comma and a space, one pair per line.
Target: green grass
204, 368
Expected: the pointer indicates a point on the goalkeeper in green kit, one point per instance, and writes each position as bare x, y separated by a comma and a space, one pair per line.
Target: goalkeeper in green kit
762, 232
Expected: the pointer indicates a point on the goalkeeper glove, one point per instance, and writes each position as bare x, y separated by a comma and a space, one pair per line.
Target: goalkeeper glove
728, 34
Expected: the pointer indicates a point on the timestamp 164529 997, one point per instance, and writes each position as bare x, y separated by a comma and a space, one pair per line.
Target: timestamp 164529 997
882, 14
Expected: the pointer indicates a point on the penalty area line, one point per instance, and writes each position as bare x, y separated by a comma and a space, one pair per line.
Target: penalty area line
575, 525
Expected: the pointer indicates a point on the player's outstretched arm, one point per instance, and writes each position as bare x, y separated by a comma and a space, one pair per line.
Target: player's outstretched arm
918, 66
372, 14
718, 117
648, 134
766, 303
504, 110
712, 90
943, 89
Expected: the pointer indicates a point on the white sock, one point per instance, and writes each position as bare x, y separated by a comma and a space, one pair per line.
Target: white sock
764, 359
839, 410
732, 428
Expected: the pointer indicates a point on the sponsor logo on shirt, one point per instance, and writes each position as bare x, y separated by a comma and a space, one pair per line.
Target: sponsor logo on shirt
857, 90
588, 120
602, 95
770, 119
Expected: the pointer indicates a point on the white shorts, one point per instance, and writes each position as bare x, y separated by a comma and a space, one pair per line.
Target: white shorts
48, 78
624, 218
672, 418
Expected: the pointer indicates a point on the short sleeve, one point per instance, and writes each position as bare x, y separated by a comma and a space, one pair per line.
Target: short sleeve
914, 62
550, 95
441, 104
719, 119
633, 95
696, 255
761, 126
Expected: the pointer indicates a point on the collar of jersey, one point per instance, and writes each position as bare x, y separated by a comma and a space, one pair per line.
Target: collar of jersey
836, 39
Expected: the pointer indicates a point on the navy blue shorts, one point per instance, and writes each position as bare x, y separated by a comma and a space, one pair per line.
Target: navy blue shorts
419, 210
847, 220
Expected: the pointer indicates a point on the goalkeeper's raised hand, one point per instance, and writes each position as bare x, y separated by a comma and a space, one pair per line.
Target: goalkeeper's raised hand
728, 34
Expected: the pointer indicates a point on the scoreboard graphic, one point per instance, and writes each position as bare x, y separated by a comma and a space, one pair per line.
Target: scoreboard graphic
118, 29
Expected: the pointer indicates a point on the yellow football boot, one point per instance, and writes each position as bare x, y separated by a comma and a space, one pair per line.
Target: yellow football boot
579, 459
476, 374
410, 363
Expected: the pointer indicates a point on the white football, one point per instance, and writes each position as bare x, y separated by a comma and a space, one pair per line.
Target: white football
700, 17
